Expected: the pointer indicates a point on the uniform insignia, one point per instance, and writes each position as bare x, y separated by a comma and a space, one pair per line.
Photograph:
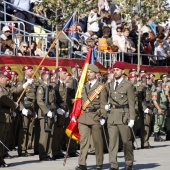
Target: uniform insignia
6, 67
26, 67
60, 69
40, 91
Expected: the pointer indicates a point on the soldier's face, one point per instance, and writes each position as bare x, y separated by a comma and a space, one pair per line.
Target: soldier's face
63, 75
29, 73
91, 75
4, 80
79, 72
118, 73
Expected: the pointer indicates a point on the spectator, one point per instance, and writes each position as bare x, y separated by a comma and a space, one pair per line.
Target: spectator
9, 48
23, 49
18, 39
5, 33
161, 54
33, 47
22, 6
39, 50
92, 24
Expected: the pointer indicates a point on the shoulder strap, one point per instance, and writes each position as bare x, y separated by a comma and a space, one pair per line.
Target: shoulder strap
93, 96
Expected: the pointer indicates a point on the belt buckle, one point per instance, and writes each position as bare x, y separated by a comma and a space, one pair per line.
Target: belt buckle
25, 98
113, 106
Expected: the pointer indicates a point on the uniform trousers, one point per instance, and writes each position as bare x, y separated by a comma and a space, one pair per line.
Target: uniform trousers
85, 132
24, 132
125, 133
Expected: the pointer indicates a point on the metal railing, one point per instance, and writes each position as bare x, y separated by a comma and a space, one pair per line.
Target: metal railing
19, 19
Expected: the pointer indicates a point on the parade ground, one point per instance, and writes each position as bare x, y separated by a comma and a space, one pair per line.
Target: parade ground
156, 158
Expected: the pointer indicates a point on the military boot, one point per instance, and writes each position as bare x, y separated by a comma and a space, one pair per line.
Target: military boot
157, 138
168, 136
128, 167
81, 167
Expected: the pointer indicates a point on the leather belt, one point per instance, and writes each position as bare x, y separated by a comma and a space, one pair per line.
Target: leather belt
28, 99
91, 110
120, 106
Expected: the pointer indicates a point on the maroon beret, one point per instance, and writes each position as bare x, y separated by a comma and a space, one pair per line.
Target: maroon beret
14, 73
27, 68
44, 72
5, 68
6, 74
119, 64
132, 75
43, 69
52, 72
61, 69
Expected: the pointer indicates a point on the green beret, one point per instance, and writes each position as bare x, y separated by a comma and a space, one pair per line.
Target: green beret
93, 68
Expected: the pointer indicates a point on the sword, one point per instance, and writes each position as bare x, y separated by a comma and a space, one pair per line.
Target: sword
135, 138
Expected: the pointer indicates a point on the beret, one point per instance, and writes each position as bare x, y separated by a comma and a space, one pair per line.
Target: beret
43, 69
5, 68
162, 76
68, 74
119, 64
6, 74
148, 77
44, 72
132, 70
61, 69
14, 73
52, 72
132, 75
93, 68
27, 68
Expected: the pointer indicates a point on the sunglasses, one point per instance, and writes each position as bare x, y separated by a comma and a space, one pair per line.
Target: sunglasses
25, 46
119, 31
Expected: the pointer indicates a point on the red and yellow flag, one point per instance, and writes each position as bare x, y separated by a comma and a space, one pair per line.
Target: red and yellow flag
72, 128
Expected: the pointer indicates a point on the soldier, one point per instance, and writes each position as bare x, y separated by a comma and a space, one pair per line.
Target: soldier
46, 100
27, 111
63, 103
92, 118
147, 105
6, 105
132, 71
121, 117
160, 111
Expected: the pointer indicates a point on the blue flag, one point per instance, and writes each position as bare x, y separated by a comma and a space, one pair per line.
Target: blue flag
93, 56
70, 29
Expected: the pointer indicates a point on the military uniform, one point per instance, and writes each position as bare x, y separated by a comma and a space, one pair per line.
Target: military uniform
27, 102
88, 123
7, 106
159, 96
45, 140
122, 102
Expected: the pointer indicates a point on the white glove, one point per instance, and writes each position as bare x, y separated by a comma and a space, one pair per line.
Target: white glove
36, 115
25, 112
14, 114
60, 111
146, 110
66, 114
50, 114
131, 123
29, 81
73, 119
55, 118
102, 121
107, 107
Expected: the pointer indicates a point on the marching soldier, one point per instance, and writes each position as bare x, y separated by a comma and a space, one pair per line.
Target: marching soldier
46, 100
63, 103
27, 111
147, 106
6, 105
121, 117
160, 111
94, 114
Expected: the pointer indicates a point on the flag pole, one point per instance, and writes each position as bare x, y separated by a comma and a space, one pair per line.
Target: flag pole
52, 45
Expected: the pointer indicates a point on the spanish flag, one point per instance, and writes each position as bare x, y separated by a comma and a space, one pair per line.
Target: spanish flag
72, 128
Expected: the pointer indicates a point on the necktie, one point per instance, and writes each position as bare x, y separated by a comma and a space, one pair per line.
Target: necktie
117, 83
89, 85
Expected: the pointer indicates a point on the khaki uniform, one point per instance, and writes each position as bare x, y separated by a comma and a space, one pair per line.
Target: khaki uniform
45, 139
147, 103
6, 104
89, 124
122, 102
27, 102
64, 102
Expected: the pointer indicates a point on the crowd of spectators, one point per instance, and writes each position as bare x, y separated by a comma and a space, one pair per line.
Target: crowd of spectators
103, 27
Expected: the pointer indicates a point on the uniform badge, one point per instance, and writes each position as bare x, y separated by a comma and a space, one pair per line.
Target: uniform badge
60, 69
